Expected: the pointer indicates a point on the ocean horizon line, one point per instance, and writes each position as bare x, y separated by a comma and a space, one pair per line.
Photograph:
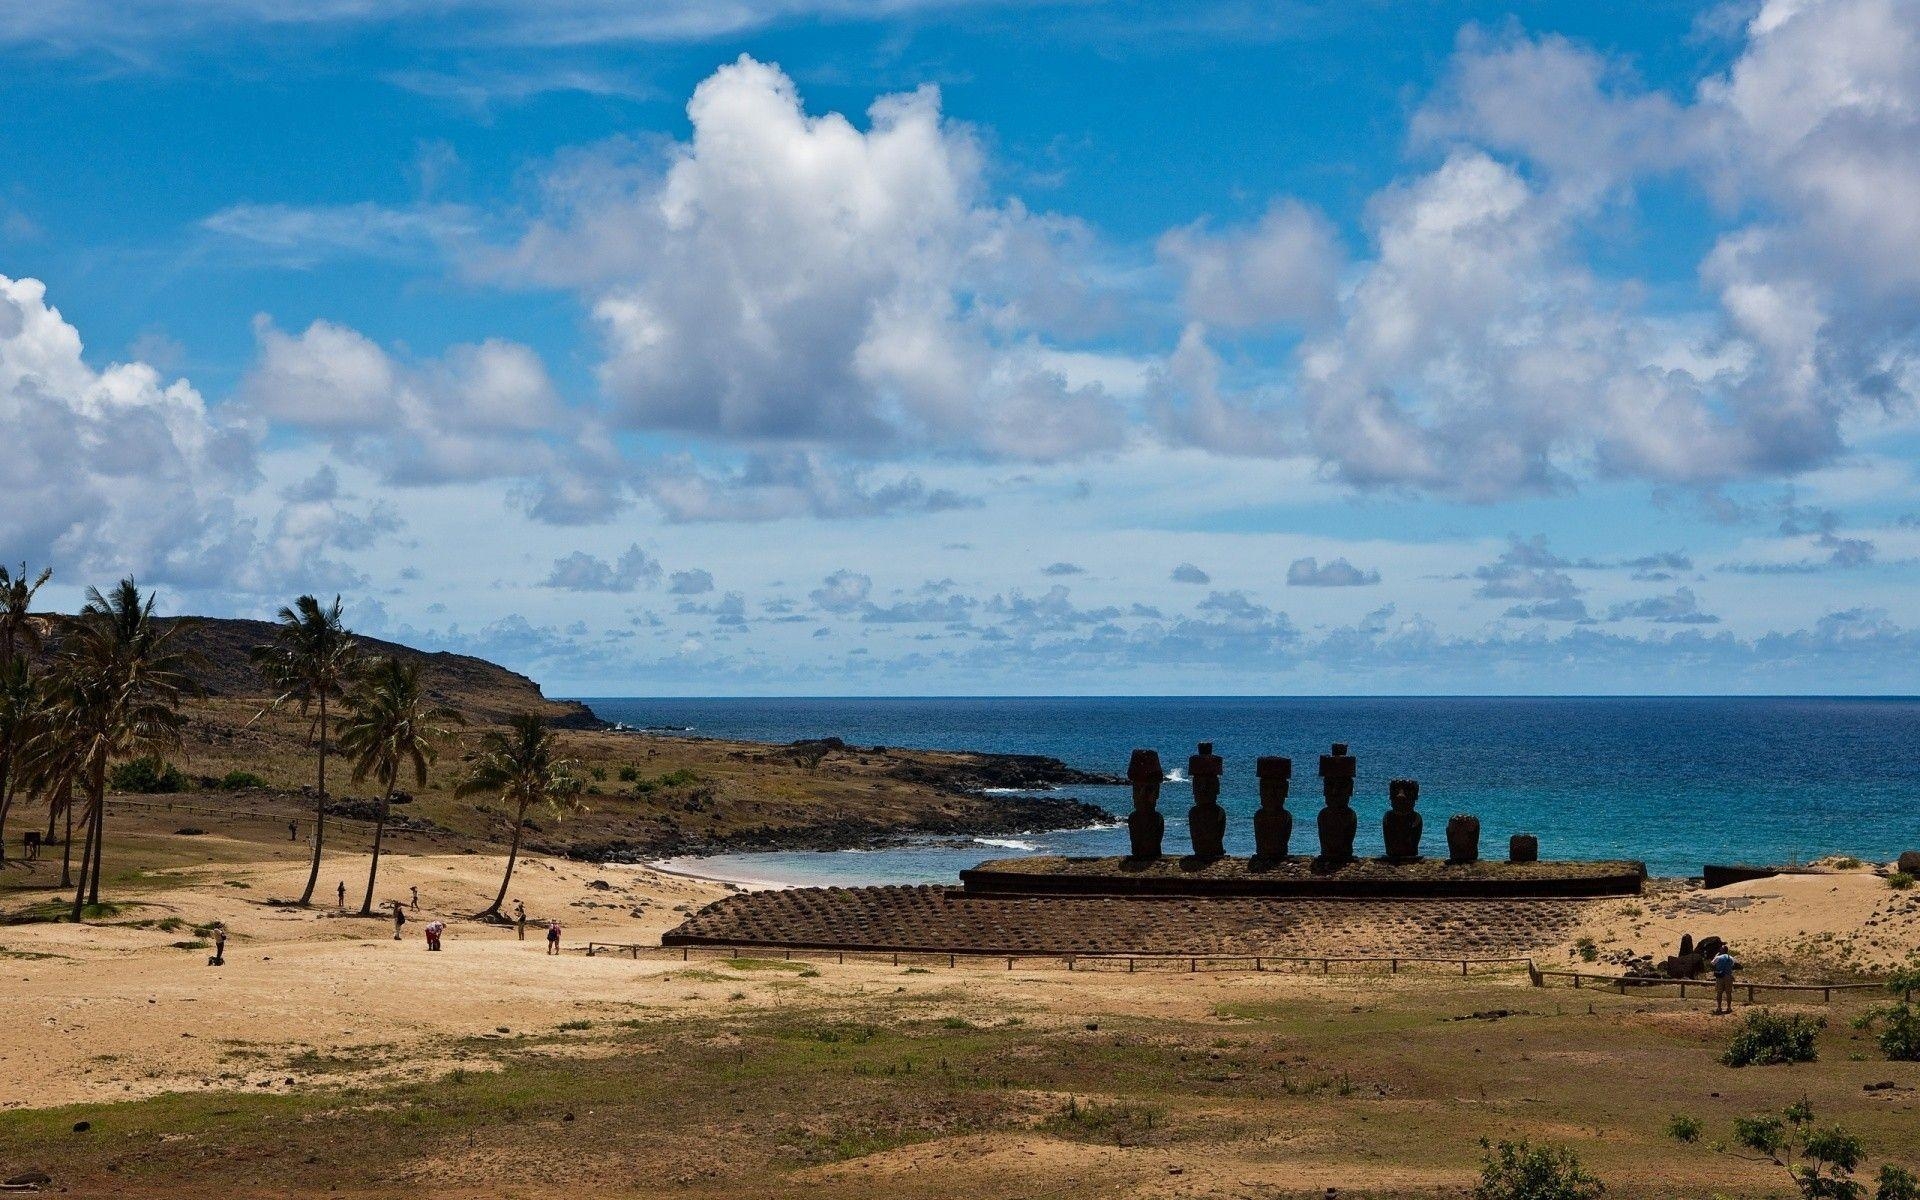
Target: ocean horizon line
588, 698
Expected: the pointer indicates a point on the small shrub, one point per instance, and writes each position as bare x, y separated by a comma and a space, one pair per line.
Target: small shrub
1588, 951
1684, 1129
1521, 1171
1846, 862
629, 774
235, 781
147, 775
1826, 1156
599, 774
1900, 881
1897, 1183
1899, 1022
1768, 1039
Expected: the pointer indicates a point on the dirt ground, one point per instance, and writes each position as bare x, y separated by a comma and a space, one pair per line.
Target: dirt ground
327, 1058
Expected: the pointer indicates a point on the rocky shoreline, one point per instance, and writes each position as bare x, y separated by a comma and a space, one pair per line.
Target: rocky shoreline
1008, 815
975, 778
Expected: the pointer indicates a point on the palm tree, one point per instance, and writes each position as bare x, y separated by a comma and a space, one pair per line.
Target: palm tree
117, 688
18, 700
17, 634
52, 761
519, 765
310, 661
391, 729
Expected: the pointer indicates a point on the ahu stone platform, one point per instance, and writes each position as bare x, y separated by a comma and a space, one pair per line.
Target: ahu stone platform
1303, 878
950, 921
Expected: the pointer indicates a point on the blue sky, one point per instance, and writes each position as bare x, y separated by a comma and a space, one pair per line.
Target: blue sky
806, 346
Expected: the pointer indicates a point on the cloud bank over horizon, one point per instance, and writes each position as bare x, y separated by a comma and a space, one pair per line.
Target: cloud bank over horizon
1589, 379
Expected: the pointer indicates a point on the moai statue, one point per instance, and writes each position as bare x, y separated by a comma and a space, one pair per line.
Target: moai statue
1206, 820
1273, 824
1463, 838
1523, 848
1145, 825
1337, 822
1401, 827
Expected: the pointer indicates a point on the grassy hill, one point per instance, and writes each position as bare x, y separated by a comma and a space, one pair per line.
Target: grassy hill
647, 795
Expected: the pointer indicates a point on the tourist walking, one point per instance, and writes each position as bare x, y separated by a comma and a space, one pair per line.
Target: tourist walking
219, 945
399, 918
416, 899
1724, 965
553, 937
520, 919
433, 931
343, 895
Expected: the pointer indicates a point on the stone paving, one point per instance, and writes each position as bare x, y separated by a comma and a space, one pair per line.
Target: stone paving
945, 919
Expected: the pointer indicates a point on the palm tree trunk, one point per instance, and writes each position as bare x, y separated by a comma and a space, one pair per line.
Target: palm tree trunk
513, 853
379, 832
319, 808
6, 805
87, 857
66, 843
80, 889
99, 828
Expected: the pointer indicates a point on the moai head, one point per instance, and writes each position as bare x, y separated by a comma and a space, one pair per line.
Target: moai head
1205, 768
1144, 773
1337, 771
1276, 777
1403, 794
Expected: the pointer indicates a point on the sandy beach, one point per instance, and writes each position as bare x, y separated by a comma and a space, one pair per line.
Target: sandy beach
116, 1009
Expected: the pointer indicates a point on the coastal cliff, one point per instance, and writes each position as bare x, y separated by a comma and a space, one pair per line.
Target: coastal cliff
648, 794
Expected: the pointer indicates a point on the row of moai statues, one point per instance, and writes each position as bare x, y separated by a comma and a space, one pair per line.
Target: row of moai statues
1401, 827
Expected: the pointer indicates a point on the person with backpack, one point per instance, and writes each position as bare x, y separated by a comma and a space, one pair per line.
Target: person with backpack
1724, 965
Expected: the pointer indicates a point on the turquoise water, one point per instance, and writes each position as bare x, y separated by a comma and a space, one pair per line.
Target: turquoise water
1674, 782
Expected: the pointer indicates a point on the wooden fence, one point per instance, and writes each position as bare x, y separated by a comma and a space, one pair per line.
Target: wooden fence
1118, 963
1210, 963
1620, 985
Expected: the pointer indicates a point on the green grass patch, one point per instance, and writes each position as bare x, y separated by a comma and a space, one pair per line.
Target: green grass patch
766, 964
1119, 1123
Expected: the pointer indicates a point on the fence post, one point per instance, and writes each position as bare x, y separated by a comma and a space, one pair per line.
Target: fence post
1129, 964
1395, 969
683, 954
1193, 966
1463, 968
1749, 993
953, 960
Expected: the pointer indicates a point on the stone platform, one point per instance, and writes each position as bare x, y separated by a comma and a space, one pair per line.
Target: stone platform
1302, 878
948, 920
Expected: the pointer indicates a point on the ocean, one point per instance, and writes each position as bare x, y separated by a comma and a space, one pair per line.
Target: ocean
1674, 782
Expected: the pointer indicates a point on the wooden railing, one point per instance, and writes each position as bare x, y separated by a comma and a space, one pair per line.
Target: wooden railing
1211, 963
1120, 963
1621, 985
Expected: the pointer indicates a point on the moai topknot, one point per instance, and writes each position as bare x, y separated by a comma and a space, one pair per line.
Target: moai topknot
1400, 828
1145, 825
1273, 824
1463, 838
1337, 822
1206, 820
